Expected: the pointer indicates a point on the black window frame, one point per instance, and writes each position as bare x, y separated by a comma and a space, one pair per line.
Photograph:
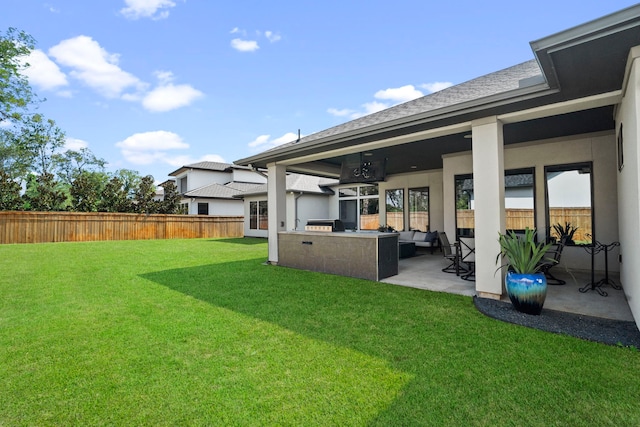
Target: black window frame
565, 167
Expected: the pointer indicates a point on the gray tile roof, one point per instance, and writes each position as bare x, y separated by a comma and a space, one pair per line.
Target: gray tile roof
300, 183
496, 83
212, 166
214, 191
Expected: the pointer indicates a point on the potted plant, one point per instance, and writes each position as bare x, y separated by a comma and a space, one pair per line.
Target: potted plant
565, 232
525, 284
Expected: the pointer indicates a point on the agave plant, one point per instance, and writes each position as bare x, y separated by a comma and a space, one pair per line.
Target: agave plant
522, 253
565, 233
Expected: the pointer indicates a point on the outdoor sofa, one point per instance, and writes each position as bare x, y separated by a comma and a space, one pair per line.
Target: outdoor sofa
421, 239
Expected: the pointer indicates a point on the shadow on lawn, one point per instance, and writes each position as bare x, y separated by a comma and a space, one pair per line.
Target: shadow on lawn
409, 328
241, 240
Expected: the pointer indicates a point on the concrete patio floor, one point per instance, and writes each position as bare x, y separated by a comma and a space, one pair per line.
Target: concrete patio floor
424, 271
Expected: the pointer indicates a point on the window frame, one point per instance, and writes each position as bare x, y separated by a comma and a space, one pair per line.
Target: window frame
567, 167
358, 197
522, 171
463, 176
428, 222
401, 191
200, 205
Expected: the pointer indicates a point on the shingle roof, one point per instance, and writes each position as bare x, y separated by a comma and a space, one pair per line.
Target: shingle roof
506, 80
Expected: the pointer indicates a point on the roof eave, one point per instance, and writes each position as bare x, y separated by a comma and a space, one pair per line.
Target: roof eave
473, 106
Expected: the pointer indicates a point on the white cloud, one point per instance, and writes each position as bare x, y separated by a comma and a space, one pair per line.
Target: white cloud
272, 37
345, 112
436, 86
399, 95
154, 9
94, 66
159, 147
74, 144
43, 72
394, 95
367, 108
167, 96
265, 142
244, 45
149, 147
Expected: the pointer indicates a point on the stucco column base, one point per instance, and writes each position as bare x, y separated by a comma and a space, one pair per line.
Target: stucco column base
489, 295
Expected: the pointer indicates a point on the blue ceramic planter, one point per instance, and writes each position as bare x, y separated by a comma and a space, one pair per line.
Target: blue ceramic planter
527, 292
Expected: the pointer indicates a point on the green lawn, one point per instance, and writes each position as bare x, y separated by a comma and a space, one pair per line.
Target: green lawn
200, 332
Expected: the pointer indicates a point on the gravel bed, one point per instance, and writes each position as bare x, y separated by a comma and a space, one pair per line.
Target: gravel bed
606, 331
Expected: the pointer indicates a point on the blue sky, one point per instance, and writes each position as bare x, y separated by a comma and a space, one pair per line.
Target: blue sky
152, 85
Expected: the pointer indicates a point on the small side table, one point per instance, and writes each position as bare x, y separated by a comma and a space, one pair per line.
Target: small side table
597, 286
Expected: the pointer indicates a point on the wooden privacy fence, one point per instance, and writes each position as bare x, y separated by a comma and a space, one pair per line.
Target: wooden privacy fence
519, 219
40, 227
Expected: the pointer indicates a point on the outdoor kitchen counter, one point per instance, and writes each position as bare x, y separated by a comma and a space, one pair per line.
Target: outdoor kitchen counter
365, 255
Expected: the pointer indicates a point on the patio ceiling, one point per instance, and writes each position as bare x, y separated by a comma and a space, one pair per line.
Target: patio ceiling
427, 154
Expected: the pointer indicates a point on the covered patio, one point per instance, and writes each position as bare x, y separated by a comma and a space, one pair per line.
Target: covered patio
562, 112
425, 272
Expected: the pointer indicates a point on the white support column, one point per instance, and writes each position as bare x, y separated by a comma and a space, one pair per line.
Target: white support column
488, 188
276, 205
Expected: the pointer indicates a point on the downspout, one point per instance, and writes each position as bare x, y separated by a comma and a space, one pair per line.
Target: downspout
255, 169
295, 209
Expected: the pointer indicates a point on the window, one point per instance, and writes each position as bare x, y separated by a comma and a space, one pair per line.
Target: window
570, 200
203, 208
359, 207
258, 218
183, 209
395, 208
419, 209
519, 196
183, 185
465, 218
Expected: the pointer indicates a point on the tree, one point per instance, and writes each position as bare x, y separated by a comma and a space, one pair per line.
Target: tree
13, 161
71, 164
171, 201
15, 93
144, 194
10, 199
115, 197
39, 140
129, 179
44, 193
85, 191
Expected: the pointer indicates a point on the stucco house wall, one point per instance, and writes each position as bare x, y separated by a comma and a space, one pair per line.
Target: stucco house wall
219, 207
241, 175
629, 184
597, 148
301, 207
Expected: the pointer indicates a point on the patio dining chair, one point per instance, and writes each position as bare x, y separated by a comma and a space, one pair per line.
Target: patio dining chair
450, 253
468, 257
552, 258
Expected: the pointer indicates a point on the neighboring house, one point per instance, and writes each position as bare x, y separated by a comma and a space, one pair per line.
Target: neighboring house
573, 110
211, 188
159, 196
306, 198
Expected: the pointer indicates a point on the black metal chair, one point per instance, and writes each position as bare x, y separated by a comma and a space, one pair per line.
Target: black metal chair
450, 252
551, 259
468, 257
